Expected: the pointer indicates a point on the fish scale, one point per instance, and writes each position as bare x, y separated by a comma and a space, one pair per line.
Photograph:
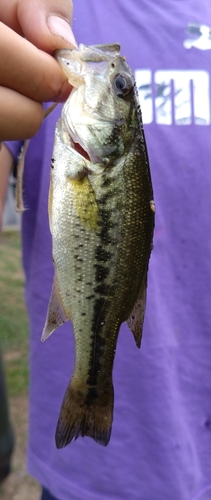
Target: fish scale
101, 213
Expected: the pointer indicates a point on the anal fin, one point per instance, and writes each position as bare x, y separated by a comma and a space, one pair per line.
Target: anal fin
136, 319
56, 315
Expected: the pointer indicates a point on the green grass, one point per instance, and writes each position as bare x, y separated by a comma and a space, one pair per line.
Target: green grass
13, 317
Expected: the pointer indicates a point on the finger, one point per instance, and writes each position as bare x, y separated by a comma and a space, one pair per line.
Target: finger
46, 23
28, 70
50, 29
20, 117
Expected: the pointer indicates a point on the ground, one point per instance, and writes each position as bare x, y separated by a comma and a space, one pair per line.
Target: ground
19, 485
14, 346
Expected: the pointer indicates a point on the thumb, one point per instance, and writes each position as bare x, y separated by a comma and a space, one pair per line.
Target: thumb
45, 23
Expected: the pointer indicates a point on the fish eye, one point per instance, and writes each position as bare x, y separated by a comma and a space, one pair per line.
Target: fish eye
120, 82
123, 85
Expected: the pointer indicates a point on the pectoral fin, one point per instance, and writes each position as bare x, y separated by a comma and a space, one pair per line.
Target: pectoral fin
56, 315
136, 318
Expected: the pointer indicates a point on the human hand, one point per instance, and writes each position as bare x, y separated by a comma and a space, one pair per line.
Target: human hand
29, 74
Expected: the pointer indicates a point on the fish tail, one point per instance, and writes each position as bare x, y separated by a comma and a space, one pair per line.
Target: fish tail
85, 412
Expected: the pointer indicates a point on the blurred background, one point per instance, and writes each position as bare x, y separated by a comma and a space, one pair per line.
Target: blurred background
14, 346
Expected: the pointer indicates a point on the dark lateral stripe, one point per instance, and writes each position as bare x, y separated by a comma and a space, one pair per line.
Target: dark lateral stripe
98, 343
102, 258
101, 272
103, 255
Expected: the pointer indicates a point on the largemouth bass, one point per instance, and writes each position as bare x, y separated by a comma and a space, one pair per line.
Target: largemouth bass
101, 213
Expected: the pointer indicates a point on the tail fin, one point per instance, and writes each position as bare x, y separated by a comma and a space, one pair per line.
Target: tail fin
85, 413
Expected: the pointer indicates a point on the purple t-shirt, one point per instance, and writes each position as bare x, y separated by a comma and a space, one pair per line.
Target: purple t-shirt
160, 447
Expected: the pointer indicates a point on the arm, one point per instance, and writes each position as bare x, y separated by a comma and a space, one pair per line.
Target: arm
6, 163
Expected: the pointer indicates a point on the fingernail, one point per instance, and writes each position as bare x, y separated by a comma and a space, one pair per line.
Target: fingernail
59, 26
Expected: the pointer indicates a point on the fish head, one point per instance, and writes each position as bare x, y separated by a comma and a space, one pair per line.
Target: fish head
100, 111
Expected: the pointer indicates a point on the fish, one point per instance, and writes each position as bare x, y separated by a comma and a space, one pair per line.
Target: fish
101, 215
